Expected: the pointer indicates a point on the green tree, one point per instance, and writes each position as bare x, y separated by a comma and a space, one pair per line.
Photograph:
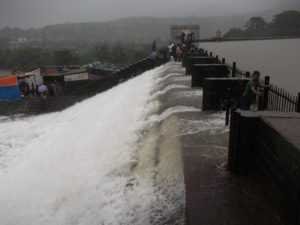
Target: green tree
256, 24
65, 57
287, 23
103, 52
118, 53
4, 42
235, 33
26, 58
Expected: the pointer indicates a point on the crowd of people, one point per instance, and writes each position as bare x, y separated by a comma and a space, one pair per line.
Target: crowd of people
29, 87
179, 49
250, 97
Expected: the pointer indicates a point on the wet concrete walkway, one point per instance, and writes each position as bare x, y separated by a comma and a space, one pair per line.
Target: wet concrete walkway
213, 195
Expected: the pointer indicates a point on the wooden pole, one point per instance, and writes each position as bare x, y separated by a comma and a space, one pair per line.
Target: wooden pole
228, 107
266, 93
233, 69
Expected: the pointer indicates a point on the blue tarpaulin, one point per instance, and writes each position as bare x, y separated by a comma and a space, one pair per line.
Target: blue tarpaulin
10, 93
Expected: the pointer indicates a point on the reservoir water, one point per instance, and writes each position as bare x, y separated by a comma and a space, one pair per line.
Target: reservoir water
279, 59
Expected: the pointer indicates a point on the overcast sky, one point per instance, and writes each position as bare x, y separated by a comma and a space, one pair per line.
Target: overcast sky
36, 13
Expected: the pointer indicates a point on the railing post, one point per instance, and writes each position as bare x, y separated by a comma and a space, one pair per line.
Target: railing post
266, 93
228, 107
217, 59
247, 74
298, 103
227, 117
223, 61
233, 69
211, 54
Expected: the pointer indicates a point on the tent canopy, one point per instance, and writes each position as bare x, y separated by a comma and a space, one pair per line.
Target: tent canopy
8, 81
9, 89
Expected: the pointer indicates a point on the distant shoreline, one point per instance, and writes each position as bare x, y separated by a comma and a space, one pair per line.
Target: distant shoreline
250, 39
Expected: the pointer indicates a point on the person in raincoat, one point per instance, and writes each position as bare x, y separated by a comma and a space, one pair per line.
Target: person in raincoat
251, 92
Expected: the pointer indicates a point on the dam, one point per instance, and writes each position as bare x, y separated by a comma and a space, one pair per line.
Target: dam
106, 160
143, 152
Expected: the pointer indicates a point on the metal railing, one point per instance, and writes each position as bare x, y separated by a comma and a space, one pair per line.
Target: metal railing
281, 100
274, 98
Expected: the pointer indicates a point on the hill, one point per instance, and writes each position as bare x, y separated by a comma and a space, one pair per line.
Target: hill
135, 29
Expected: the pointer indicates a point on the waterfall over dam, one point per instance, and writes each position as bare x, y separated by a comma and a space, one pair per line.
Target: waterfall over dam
112, 159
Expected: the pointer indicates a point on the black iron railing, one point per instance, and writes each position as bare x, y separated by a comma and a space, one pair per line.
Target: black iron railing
274, 98
281, 100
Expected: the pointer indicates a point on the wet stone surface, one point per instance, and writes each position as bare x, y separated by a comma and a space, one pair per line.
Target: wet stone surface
214, 196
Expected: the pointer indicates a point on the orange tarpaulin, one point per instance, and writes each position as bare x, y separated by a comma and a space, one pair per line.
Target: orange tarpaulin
8, 81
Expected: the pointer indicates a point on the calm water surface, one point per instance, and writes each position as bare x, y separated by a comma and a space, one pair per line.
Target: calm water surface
279, 59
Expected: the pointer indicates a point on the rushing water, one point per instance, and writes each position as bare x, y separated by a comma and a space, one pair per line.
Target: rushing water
113, 159
276, 58
94, 163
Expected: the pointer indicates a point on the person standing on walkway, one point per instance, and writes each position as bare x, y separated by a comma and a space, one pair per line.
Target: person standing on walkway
179, 53
170, 48
43, 91
174, 52
251, 93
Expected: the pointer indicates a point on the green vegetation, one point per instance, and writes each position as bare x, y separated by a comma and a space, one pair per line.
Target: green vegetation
123, 41
27, 58
119, 53
286, 24
24, 58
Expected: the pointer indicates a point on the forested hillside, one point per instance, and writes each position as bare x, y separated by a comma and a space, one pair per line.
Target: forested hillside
284, 24
142, 30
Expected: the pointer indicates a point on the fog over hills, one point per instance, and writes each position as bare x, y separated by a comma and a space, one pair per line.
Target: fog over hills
39, 13
289, 4
134, 29
139, 29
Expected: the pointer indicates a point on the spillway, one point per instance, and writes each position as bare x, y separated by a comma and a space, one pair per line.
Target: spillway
94, 163
112, 159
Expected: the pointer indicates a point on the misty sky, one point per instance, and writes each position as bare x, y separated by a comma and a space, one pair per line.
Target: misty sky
35, 13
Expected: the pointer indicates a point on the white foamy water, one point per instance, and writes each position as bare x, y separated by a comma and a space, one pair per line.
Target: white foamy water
190, 93
186, 78
167, 89
73, 167
170, 75
98, 163
214, 123
172, 111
